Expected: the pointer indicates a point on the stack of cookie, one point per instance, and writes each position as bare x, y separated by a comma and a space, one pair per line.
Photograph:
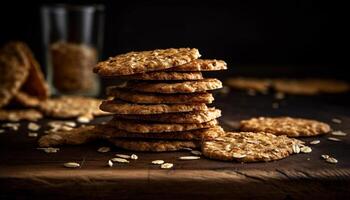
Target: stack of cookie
163, 105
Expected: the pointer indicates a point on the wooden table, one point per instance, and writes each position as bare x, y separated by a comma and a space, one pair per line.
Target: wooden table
27, 173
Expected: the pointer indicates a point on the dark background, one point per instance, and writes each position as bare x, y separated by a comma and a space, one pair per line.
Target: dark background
256, 38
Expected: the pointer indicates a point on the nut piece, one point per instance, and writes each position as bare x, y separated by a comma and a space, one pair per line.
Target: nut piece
120, 160
315, 142
134, 157
189, 158
167, 165
33, 126
157, 162
122, 156
104, 149
71, 164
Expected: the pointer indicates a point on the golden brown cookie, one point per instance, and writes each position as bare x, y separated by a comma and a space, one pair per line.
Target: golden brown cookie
248, 147
310, 86
35, 85
120, 107
145, 61
106, 131
176, 87
71, 106
154, 145
165, 76
200, 65
188, 117
18, 115
79, 135
244, 83
154, 98
292, 127
14, 70
137, 126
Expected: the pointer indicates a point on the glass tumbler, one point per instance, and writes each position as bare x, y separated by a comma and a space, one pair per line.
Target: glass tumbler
72, 38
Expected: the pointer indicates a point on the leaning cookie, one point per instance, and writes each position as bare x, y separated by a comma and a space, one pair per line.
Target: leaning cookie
292, 127
249, 147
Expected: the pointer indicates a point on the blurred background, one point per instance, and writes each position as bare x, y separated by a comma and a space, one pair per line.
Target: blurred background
256, 38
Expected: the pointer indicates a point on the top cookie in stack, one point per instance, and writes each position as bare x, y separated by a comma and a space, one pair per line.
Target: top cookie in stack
162, 106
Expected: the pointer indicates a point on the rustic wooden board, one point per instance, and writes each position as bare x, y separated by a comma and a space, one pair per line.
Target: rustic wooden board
29, 173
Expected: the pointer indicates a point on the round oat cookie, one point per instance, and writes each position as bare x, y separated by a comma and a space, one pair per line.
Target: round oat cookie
14, 70
107, 132
121, 107
187, 117
137, 126
292, 127
249, 147
18, 115
145, 61
71, 106
165, 76
244, 83
176, 87
200, 65
154, 145
154, 98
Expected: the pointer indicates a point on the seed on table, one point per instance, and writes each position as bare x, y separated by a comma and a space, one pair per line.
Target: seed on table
30, 134
338, 133
110, 163
120, 160
324, 156
296, 148
334, 139
123, 156
134, 157
167, 165
196, 153
33, 126
305, 149
331, 160
104, 149
157, 162
189, 158
337, 121
71, 164
315, 142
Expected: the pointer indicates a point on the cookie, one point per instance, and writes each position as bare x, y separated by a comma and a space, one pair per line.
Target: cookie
79, 135
200, 65
35, 84
120, 107
154, 98
249, 147
165, 76
14, 70
188, 117
243, 83
18, 115
71, 106
106, 132
137, 126
310, 86
292, 127
176, 87
145, 61
154, 145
